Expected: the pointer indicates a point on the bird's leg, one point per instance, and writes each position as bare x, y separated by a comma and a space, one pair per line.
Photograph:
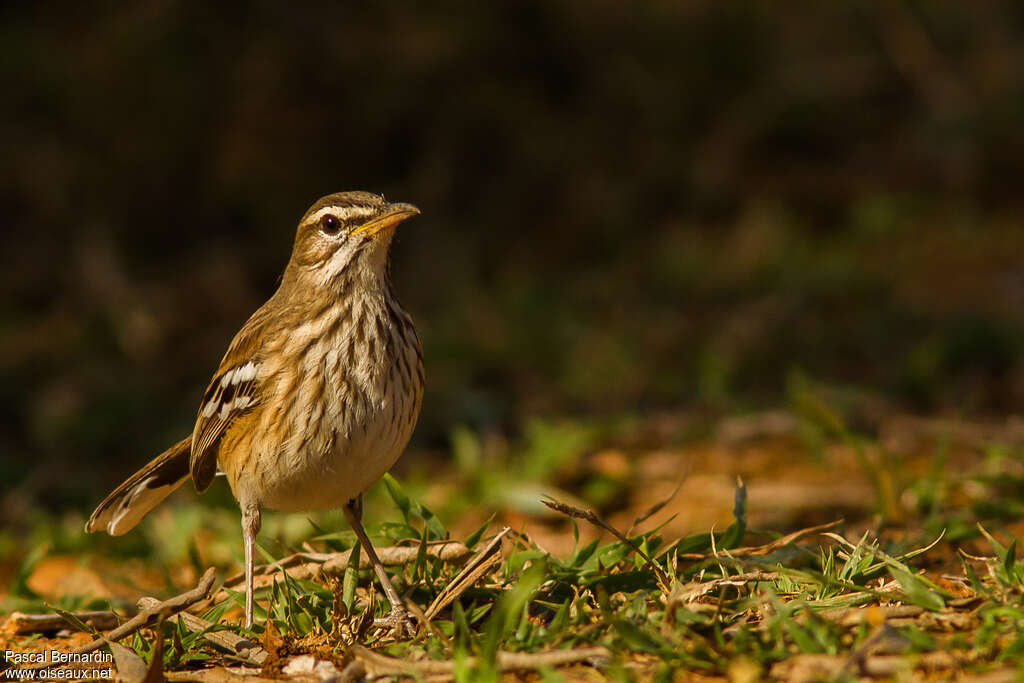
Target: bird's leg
250, 527
398, 619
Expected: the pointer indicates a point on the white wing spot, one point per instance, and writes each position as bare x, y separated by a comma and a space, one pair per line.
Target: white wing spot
244, 373
237, 404
235, 376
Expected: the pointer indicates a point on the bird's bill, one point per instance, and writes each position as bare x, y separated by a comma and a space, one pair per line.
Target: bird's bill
392, 216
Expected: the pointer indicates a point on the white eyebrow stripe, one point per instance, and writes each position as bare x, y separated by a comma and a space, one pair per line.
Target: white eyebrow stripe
343, 212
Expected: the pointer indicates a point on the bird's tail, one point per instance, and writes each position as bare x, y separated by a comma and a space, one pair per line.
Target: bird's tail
129, 502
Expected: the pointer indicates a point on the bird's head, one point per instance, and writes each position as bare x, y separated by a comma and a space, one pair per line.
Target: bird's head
345, 233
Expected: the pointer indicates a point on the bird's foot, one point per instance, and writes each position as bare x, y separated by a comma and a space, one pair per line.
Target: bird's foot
399, 622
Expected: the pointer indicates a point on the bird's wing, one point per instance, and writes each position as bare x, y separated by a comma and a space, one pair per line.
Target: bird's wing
233, 392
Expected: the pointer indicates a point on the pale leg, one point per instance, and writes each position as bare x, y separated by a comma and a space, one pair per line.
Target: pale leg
398, 619
250, 527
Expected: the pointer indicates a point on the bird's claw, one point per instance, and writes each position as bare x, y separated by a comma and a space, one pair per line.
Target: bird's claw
399, 622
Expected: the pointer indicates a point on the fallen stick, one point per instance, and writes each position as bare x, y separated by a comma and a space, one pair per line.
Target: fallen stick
240, 647
911, 666
683, 593
19, 624
306, 565
376, 664
598, 521
335, 564
394, 556
145, 618
470, 574
166, 608
747, 551
771, 547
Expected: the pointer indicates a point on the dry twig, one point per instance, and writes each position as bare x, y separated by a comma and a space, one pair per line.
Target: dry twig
147, 617
334, 564
242, 648
481, 563
691, 591
376, 664
19, 624
595, 519
767, 548
393, 556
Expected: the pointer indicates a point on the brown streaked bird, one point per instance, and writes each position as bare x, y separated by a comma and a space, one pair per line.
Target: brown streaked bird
317, 395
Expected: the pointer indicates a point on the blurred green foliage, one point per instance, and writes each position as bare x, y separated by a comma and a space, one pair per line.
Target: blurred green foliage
627, 206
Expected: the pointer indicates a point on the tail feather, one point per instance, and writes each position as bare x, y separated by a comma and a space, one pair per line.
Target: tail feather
129, 502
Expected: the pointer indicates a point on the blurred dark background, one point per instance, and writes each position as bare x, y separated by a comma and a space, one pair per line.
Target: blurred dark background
628, 208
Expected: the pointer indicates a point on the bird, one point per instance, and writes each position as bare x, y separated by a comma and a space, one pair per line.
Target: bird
316, 397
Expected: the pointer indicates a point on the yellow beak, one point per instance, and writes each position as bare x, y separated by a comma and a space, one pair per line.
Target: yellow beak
393, 215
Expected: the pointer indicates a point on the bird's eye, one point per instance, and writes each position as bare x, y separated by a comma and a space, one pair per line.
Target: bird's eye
330, 225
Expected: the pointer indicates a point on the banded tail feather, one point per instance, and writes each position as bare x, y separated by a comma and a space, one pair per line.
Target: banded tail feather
128, 503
